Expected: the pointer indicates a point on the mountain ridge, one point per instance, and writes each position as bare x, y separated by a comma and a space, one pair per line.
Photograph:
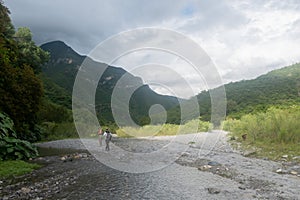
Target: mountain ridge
276, 87
62, 69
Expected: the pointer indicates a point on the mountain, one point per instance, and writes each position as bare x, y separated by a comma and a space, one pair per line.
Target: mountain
60, 72
277, 88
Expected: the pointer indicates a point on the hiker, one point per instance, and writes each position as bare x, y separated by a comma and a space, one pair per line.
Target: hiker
108, 137
100, 136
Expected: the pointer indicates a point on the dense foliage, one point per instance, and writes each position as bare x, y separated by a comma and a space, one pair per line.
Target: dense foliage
275, 131
60, 72
10, 146
278, 87
20, 88
276, 125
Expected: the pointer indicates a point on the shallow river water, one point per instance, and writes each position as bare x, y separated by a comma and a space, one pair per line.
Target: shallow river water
205, 170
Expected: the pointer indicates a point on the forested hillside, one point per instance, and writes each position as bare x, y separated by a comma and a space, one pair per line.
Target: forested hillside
277, 88
60, 72
21, 89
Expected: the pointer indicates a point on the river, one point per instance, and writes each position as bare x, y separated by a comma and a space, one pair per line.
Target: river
207, 169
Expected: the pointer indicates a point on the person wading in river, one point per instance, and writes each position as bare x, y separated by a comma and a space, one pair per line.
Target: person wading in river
100, 136
108, 137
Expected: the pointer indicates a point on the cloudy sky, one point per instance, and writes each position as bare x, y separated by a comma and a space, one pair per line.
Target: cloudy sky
244, 39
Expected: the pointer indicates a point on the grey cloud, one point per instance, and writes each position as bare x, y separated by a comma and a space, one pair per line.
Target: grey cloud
72, 20
224, 27
92, 21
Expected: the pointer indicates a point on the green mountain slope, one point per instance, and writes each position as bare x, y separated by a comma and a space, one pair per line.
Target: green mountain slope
60, 72
279, 87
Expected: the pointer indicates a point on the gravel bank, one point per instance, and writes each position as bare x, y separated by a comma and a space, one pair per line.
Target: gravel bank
206, 168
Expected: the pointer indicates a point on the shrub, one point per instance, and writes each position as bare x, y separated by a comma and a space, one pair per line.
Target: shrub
275, 132
55, 131
10, 146
165, 129
276, 125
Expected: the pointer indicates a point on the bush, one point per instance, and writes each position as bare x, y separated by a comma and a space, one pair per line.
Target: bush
165, 129
275, 125
12, 149
6, 126
56, 131
275, 132
10, 146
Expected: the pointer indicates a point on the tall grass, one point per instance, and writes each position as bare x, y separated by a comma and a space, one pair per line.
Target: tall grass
274, 129
12, 168
165, 129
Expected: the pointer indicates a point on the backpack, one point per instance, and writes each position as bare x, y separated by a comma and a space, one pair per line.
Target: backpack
108, 136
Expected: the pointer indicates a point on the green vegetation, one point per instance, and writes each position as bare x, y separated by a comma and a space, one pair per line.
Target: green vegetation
36, 89
16, 168
10, 146
274, 132
60, 72
55, 121
165, 129
20, 88
278, 87
58, 131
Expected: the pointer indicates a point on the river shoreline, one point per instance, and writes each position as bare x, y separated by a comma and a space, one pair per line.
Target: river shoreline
208, 168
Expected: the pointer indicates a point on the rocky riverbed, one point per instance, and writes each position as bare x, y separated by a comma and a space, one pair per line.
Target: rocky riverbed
206, 167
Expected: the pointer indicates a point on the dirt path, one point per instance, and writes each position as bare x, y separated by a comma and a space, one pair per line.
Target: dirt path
205, 167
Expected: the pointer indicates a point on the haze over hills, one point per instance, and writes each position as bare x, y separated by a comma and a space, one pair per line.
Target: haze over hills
278, 87
60, 73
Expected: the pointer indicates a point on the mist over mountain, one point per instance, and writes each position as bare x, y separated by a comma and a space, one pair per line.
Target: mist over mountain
60, 73
278, 87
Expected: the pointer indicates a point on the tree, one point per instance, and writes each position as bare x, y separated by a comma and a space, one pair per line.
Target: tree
21, 90
6, 28
23, 35
31, 54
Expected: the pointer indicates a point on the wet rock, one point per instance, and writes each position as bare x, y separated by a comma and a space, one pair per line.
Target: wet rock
296, 158
213, 190
242, 187
67, 158
25, 190
204, 167
84, 155
281, 171
213, 163
185, 154
249, 153
294, 172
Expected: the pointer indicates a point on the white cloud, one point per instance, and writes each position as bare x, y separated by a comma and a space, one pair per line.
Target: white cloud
243, 38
